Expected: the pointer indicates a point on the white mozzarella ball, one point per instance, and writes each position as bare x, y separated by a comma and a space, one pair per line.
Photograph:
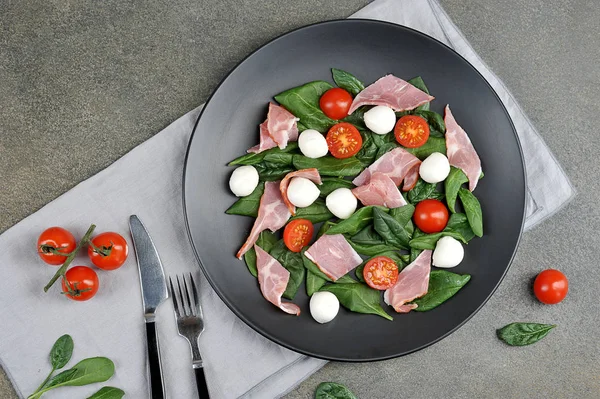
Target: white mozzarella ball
435, 168
380, 119
324, 306
312, 144
302, 192
448, 252
243, 180
341, 202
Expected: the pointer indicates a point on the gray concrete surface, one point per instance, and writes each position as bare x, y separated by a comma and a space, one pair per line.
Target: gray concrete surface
82, 82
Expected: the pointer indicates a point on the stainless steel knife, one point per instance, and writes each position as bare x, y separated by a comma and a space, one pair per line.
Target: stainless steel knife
154, 292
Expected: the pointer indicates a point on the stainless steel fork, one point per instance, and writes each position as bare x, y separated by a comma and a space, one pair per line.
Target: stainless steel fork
190, 324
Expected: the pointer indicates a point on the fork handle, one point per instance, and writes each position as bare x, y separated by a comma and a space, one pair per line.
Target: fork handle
201, 383
156, 382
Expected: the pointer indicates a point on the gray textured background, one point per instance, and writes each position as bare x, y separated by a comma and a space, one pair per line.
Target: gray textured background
82, 82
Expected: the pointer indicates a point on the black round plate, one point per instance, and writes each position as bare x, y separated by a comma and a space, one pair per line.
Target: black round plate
228, 126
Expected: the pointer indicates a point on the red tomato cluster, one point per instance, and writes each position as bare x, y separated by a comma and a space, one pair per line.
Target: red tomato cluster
107, 251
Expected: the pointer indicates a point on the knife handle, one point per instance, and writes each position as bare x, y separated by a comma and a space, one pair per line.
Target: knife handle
156, 381
201, 383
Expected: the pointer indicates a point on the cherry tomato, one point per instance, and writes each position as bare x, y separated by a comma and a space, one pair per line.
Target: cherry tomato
109, 251
53, 242
83, 283
431, 216
335, 103
550, 286
411, 131
381, 273
343, 140
297, 234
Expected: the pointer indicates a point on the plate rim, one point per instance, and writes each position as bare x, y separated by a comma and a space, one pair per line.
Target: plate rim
267, 334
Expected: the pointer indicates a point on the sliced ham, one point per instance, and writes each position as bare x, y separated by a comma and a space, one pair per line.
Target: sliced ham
311, 174
460, 150
392, 92
333, 255
380, 190
413, 282
281, 125
272, 215
266, 142
273, 280
398, 164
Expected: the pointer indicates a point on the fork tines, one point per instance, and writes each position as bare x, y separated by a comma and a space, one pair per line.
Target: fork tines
185, 305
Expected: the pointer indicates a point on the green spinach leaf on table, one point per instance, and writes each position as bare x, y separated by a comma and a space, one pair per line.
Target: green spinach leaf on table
266, 240
442, 286
248, 206
256, 158
333, 183
392, 232
358, 221
347, 81
521, 334
108, 393
316, 212
330, 166
358, 298
331, 390
303, 102
61, 352
473, 210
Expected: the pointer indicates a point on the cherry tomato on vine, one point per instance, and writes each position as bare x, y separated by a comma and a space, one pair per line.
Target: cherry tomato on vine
53, 242
83, 283
108, 251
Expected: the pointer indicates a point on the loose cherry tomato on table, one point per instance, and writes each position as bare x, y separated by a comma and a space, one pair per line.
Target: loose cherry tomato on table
335, 103
83, 283
297, 234
550, 286
431, 216
381, 273
343, 140
411, 131
54, 244
108, 251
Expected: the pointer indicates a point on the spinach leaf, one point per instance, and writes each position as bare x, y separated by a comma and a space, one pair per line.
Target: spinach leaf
357, 118
279, 159
313, 283
331, 390
108, 393
368, 236
293, 262
390, 230
428, 241
433, 144
442, 286
393, 255
368, 150
521, 334
405, 259
422, 191
403, 215
87, 371
61, 352
473, 210
419, 84
256, 158
333, 183
369, 250
271, 172
358, 298
385, 148
311, 267
382, 139
456, 178
330, 166
248, 206
315, 212
414, 252
346, 279
347, 81
266, 240
301, 127
358, 221
458, 222
325, 228
303, 102
435, 120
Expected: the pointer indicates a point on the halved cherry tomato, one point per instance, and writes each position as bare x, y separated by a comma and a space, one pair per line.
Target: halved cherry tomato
83, 283
431, 216
335, 103
550, 286
54, 242
344, 140
108, 251
297, 234
411, 131
381, 273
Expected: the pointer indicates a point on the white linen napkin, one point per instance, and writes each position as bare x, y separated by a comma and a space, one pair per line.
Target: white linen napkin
147, 182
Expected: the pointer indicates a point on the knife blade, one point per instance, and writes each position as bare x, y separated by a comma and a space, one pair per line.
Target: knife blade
154, 292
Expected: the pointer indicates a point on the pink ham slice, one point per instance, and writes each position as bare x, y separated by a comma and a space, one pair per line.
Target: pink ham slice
398, 165
460, 150
281, 125
272, 215
392, 92
273, 280
413, 282
266, 142
333, 255
311, 174
380, 190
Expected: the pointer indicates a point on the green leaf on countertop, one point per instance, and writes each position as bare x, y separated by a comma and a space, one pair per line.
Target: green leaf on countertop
392, 232
329, 184
266, 240
61, 352
358, 298
256, 158
248, 205
316, 212
521, 334
108, 393
330, 166
442, 286
331, 390
303, 102
433, 144
357, 221
472, 208
347, 81
422, 191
